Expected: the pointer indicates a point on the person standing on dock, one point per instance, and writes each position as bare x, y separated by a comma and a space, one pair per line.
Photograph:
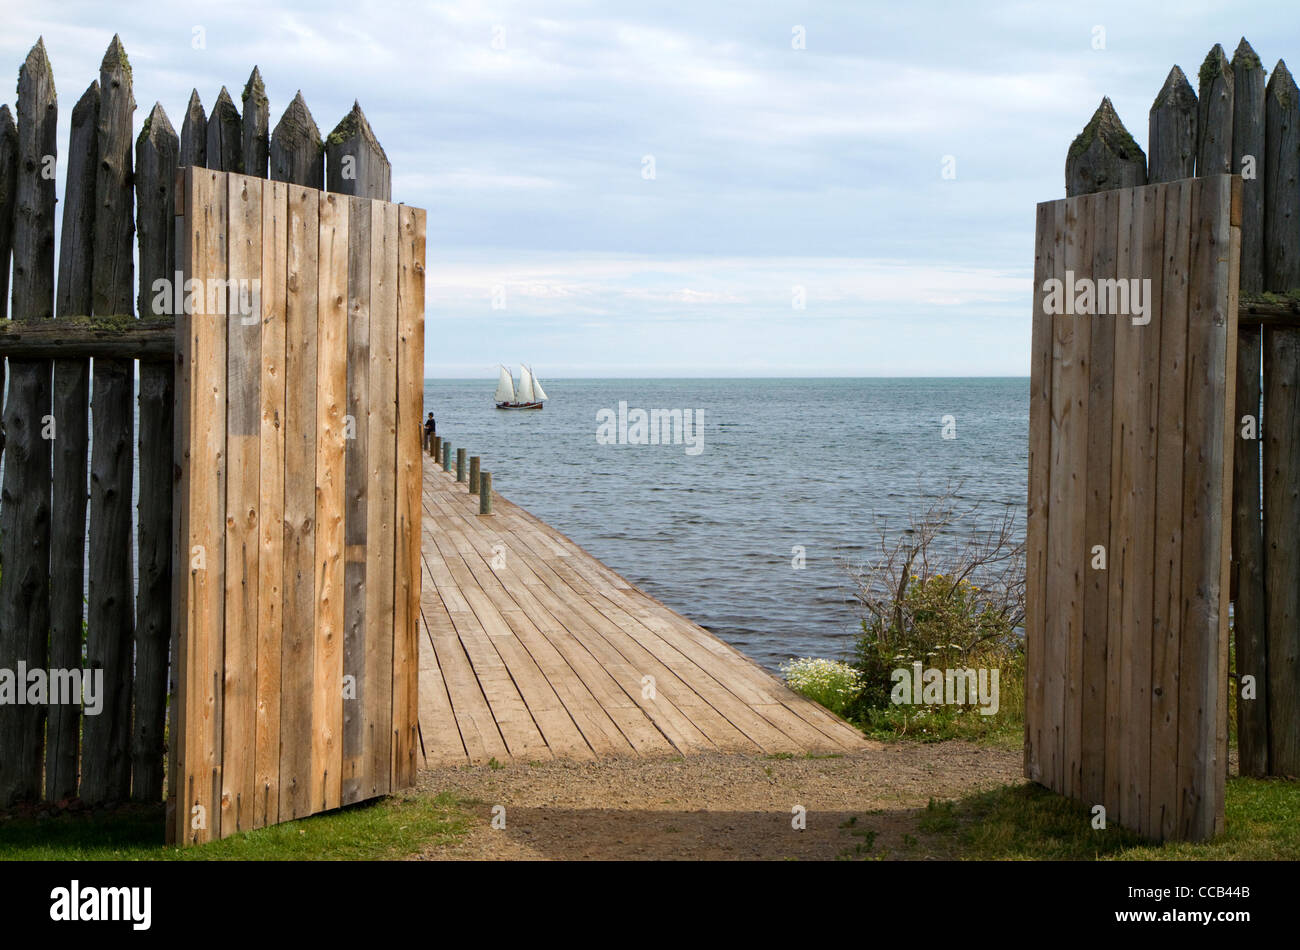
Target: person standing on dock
430, 430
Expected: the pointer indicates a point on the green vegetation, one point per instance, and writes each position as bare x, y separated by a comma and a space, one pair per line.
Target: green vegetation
386, 829
829, 682
1028, 822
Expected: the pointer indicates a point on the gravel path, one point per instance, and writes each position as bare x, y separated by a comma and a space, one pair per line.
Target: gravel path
717, 806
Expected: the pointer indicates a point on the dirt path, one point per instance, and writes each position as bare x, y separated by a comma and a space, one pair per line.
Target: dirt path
717, 806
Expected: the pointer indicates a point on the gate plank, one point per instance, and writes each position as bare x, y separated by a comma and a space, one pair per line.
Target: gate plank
298, 654
243, 542
381, 498
331, 407
271, 474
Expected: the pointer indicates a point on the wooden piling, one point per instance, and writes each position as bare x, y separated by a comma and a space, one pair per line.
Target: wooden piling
460, 465
71, 397
297, 154
1281, 463
1104, 156
157, 156
355, 163
1171, 130
1248, 147
25, 505
194, 133
1214, 115
225, 137
446, 456
473, 474
254, 129
106, 761
485, 493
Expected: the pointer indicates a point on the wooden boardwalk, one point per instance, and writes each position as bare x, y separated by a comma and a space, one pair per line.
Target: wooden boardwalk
532, 649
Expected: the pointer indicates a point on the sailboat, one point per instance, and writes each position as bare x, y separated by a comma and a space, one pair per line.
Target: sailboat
527, 395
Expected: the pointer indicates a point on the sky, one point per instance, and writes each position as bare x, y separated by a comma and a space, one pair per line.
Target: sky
693, 189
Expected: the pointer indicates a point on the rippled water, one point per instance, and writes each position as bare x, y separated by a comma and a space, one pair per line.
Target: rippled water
809, 462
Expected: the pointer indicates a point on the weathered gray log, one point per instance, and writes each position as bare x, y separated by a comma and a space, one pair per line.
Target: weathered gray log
81, 337
1104, 156
1247, 531
25, 497
106, 738
1171, 130
8, 177
71, 397
256, 126
474, 463
355, 163
1281, 423
1214, 115
157, 156
8, 182
194, 133
297, 154
225, 136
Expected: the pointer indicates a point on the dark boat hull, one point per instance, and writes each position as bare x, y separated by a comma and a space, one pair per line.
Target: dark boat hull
519, 405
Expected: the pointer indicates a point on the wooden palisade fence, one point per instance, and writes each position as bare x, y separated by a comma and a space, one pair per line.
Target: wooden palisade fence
71, 466
1244, 121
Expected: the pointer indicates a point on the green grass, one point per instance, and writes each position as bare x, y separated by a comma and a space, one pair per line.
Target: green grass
1027, 822
381, 830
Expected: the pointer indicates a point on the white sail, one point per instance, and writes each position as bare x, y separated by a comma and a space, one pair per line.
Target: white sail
505, 387
538, 392
525, 390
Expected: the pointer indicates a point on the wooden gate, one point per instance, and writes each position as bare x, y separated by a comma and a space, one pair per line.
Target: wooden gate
1130, 472
299, 387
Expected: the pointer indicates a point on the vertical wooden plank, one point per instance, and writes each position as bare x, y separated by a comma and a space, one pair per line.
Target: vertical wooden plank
1065, 556
71, 446
298, 654
157, 158
1046, 255
356, 782
1166, 619
205, 508
1142, 488
1107, 241
1200, 688
381, 496
243, 486
410, 398
271, 496
178, 818
106, 759
25, 498
1106, 675
1281, 449
331, 407
1247, 530
253, 128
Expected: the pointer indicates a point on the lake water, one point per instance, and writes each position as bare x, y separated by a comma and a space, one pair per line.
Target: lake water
813, 463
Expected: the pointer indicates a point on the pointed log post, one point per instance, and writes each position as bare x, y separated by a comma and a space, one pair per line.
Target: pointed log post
297, 155
105, 758
256, 126
1282, 421
25, 505
157, 156
225, 138
1214, 115
71, 417
194, 133
1171, 128
355, 161
1247, 531
1104, 156
8, 182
